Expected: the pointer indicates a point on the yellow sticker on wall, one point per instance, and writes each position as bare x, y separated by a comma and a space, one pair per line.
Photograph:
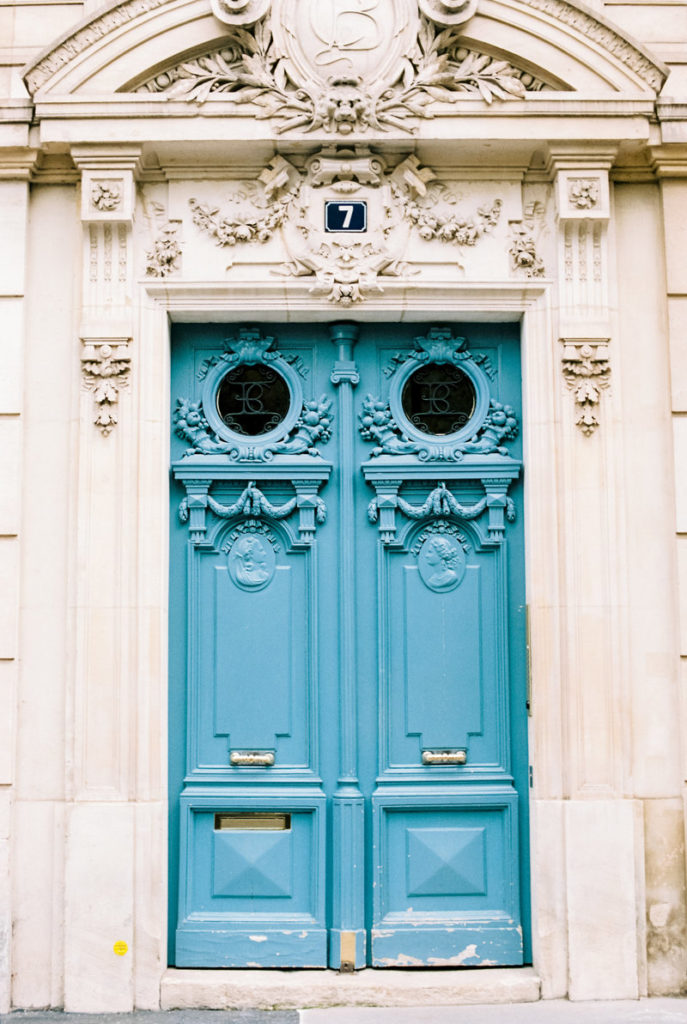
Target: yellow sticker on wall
121, 948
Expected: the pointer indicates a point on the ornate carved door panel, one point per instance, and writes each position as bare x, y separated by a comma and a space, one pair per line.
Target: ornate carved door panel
347, 639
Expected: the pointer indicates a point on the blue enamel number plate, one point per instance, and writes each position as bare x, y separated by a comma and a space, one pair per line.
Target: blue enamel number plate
346, 216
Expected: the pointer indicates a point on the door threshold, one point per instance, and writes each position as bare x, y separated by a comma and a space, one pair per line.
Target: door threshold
295, 990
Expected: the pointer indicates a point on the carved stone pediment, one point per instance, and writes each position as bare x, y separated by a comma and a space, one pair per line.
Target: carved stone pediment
344, 67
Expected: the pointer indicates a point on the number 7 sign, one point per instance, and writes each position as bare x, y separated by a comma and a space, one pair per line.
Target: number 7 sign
346, 216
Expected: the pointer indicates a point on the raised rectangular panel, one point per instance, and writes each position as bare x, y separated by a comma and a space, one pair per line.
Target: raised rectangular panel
253, 895
443, 665
443, 683
446, 885
252, 647
254, 659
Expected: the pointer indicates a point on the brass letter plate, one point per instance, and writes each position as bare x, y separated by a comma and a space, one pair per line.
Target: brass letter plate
261, 822
252, 758
444, 756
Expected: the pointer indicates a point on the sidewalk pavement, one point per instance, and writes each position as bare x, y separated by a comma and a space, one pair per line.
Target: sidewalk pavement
645, 1011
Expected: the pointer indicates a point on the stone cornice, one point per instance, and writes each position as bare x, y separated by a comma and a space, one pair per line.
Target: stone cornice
87, 32
596, 27
575, 15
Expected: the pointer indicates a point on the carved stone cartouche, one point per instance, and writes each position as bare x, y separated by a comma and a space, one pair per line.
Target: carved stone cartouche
335, 91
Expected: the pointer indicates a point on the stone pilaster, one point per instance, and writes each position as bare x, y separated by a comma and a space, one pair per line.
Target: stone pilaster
101, 816
15, 170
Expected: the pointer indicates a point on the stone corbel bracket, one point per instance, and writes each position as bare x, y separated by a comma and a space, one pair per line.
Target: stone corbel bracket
587, 373
106, 368
441, 502
306, 480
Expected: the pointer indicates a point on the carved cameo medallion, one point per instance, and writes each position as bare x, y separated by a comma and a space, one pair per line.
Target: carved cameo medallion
441, 562
252, 561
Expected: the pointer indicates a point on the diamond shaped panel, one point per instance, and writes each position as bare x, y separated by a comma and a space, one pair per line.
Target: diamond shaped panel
252, 864
446, 861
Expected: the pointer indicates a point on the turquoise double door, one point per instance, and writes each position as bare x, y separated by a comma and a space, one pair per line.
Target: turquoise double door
348, 711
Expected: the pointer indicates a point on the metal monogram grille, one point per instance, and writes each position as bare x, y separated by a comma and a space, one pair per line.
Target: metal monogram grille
253, 400
438, 399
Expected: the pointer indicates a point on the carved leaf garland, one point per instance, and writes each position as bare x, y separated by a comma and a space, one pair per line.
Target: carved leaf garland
249, 69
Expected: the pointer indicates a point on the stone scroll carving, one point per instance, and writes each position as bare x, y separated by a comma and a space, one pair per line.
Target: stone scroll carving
239, 12
344, 69
346, 269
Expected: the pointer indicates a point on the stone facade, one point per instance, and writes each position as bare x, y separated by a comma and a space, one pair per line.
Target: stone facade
144, 175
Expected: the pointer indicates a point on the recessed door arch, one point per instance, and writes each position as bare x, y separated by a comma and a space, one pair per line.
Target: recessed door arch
348, 723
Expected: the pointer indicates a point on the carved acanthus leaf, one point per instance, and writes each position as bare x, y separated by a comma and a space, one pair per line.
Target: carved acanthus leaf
587, 372
249, 69
106, 370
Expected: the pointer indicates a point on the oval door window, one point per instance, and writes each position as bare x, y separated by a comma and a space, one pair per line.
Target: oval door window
253, 400
439, 399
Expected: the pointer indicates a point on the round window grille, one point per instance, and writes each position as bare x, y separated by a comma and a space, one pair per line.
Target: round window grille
438, 399
253, 400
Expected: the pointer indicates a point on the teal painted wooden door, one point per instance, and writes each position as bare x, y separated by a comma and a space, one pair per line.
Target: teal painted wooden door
348, 766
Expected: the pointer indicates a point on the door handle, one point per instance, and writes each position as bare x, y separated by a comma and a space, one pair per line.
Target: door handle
447, 757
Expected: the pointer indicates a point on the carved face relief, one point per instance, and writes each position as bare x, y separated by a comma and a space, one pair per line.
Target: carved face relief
252, 562
332, 40
441, 563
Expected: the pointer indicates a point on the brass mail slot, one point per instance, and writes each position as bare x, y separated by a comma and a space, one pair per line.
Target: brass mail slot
261, 822
444, 757
252, 758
